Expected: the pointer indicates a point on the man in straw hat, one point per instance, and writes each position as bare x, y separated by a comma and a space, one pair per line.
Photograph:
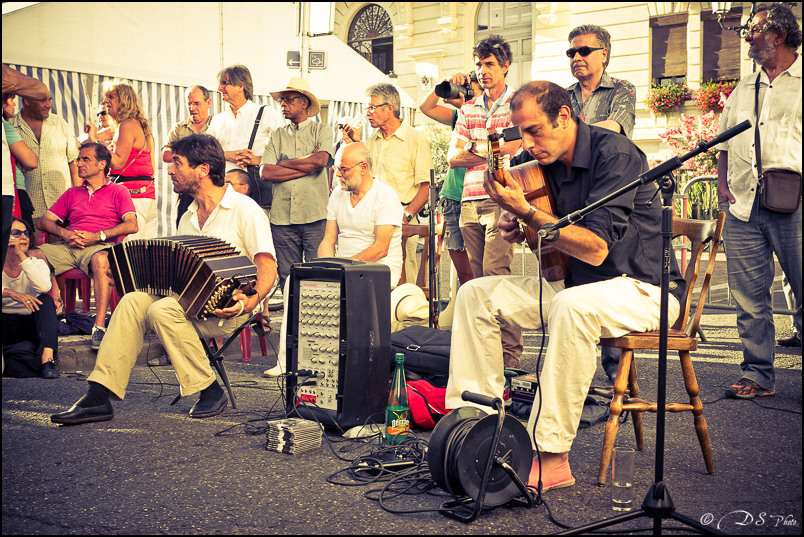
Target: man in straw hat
295, 160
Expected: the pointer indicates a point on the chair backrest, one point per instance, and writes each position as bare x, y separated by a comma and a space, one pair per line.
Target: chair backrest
700, 233
413, 232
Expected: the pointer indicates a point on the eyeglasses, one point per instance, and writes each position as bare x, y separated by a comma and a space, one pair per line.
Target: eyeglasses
17, 232
288, 100
233, 184
584, 51
759, 28
343, 169
102, 113
225, 83
373, 107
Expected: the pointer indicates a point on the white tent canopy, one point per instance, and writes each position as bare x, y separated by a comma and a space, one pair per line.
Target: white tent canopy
164, 48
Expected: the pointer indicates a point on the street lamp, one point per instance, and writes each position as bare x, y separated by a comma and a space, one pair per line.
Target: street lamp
722, 8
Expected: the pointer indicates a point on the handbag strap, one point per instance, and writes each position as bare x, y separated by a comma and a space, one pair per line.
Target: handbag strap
757, 148
256, 125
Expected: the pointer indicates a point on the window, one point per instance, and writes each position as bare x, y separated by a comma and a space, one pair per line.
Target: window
499, 15
721, 48
511, 20
669, 47
372, 35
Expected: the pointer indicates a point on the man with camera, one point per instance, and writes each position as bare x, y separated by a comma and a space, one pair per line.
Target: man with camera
489, 254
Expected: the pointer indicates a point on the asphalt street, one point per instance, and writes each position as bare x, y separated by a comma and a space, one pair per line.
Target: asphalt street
153, 470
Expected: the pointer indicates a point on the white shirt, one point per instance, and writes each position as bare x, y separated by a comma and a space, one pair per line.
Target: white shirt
33, 280
234, 132
779, 132
8, 173
237, 219
380, 206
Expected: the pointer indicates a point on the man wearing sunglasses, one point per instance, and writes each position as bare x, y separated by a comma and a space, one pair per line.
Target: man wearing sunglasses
597, 98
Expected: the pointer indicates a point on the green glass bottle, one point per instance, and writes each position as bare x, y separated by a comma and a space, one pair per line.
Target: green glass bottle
397, 413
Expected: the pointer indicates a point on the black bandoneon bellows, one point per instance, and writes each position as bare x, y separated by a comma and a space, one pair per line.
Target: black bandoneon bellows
200, 272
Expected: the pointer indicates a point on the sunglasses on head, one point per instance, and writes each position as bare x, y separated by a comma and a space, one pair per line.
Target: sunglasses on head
583, 51
17, 232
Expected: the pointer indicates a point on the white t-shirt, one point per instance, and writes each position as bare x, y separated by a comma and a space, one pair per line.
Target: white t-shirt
380, 206
34, 280
234, 132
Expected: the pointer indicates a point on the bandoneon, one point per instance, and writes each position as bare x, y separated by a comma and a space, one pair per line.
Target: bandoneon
201, 273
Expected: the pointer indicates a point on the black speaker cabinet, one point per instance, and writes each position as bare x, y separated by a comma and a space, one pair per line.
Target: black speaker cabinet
339, 326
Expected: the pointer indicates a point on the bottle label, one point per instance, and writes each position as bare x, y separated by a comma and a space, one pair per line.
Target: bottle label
397, 424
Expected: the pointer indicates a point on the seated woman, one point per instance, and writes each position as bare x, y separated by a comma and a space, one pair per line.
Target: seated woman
29, 313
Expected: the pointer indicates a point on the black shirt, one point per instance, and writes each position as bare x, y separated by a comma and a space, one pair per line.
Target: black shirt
603, 162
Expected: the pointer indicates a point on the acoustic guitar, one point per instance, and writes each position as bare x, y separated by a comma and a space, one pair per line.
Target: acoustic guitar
530, 176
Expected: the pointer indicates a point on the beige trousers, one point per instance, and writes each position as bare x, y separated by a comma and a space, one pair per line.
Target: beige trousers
140, 313
577, 318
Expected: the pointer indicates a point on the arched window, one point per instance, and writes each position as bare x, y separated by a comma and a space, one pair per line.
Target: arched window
372, 35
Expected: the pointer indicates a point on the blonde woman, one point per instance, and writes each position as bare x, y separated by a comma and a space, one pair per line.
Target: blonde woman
132, 151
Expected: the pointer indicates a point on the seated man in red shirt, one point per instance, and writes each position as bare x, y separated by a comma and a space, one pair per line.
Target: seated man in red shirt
96, 212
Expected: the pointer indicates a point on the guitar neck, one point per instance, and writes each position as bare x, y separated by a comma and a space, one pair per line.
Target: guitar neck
496, 161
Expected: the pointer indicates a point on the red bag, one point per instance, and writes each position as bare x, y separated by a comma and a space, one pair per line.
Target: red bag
426, 403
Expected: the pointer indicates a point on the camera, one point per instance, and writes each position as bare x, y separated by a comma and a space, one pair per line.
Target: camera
448, 90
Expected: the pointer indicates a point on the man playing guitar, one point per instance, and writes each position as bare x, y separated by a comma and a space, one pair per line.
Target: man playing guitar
612, 289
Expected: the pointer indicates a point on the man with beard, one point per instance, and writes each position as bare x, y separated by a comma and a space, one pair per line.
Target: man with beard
753, 234
218, 211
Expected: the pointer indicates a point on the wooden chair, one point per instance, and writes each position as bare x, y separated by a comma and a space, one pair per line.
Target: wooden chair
681, 337
422, 230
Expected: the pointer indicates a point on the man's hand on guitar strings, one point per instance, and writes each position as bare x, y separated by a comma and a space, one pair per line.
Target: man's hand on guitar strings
508, 196
509, 226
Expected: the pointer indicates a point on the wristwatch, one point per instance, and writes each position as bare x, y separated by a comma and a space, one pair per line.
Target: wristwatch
102, 235
408, 216
470, 146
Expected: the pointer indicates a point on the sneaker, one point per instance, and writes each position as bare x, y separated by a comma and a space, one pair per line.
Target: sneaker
275, 371
49, 370
747, 389
97, 337
792, 341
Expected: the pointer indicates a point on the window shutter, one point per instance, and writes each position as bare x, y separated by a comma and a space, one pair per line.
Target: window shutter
669, 46
721, 48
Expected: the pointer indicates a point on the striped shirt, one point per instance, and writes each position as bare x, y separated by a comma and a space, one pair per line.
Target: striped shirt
472, 125
56, 149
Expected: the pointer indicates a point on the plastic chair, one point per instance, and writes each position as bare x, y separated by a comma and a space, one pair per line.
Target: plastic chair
682, 338
76, 280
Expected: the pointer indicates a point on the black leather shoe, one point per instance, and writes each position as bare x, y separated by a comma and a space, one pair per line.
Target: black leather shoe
49, 370
792, 341
80, 414
206, 408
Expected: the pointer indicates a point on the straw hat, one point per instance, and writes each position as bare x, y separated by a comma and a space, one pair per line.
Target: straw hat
409, 307
301, 86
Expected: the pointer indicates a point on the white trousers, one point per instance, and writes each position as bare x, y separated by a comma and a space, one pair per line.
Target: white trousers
577, 318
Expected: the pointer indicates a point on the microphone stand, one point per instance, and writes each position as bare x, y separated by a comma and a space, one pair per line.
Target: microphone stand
657, 504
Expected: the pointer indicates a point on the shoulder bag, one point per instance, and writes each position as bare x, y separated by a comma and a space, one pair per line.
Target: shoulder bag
779, 189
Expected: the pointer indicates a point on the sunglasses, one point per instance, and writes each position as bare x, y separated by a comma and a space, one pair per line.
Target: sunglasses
103, 113
17, 232
583, 51
288, 100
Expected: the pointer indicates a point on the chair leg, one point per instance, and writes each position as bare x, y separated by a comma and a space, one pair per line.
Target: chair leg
691, 384
245, 345
86, 294
636, 415
218, 365
68, 293
615, 409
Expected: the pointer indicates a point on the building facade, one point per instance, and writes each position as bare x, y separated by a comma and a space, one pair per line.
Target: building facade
652, 43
